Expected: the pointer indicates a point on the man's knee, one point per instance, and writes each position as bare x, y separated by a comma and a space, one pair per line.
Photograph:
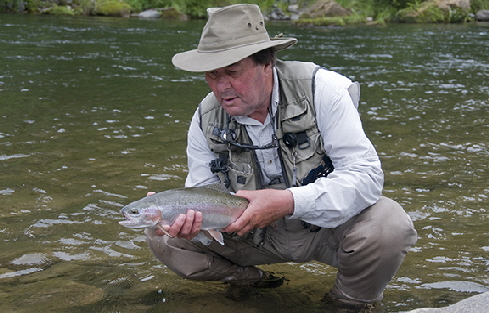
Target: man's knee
178, 256
373, 246
395, 227
382, 233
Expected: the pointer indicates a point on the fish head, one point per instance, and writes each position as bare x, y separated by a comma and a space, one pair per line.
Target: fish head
140, 217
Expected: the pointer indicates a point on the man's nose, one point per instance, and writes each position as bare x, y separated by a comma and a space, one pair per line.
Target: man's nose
223, 82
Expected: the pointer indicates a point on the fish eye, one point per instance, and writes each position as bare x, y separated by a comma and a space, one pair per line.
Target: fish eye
134, 211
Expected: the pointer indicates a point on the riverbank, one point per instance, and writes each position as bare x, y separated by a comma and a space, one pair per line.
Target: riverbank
299, 12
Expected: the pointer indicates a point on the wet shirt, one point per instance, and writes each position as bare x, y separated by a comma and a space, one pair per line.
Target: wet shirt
357, 180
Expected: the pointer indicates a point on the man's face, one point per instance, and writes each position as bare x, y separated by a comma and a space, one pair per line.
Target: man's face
242, 88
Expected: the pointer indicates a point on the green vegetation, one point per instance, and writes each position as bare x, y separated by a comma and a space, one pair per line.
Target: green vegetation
112, 8
190, 8
427, 12
361, 11
332, 21
380, 12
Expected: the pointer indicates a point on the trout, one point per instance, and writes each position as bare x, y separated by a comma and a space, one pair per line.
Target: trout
218, 206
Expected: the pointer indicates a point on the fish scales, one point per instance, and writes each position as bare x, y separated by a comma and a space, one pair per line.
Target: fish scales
219, 208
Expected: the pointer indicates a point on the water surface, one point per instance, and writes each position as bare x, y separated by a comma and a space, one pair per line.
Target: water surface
93, 115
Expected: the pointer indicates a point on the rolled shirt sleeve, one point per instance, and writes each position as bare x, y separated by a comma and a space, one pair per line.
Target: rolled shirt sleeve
198, 156
357, 179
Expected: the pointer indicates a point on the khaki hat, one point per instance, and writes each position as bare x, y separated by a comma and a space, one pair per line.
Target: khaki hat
232, 33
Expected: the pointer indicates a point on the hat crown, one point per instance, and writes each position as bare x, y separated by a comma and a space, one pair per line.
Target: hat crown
231, 34
233, 26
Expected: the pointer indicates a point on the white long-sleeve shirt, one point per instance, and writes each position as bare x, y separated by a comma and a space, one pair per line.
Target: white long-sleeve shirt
357, 179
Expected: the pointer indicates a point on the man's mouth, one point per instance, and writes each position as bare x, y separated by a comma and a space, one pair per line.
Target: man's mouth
229, 99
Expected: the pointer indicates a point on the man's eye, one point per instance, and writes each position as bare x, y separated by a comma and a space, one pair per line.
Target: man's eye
212, 74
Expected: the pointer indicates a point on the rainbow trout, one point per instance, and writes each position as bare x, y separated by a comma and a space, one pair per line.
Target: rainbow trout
218, 206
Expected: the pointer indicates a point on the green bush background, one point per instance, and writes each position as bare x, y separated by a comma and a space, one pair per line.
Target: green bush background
381, 11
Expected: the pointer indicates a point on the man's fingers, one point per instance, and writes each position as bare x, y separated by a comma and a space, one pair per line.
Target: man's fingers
239, 225
186, 228
175, 228
197, 224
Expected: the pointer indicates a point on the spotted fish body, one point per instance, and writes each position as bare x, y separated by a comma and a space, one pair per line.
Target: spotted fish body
218, 206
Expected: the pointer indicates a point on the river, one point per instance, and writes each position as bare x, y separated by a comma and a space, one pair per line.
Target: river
93, 115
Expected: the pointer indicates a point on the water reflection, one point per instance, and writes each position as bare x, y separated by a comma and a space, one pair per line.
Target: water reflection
93, 115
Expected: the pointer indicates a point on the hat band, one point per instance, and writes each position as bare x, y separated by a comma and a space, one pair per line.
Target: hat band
232, 47
223, 45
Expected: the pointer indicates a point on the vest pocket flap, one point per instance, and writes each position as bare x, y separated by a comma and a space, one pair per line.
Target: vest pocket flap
296, 117
305, 154
295, 109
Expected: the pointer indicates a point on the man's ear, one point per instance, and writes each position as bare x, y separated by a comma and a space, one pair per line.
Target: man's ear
268, 67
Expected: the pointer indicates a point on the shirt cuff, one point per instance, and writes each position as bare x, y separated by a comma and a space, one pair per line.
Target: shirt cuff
303, 202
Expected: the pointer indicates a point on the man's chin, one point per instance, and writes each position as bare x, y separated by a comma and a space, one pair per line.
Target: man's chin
232, 110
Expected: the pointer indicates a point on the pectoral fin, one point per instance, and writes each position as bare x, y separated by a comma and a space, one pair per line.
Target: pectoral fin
163, 230
215, 234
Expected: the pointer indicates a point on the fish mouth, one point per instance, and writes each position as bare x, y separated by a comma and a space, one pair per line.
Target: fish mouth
132, 222
129, 221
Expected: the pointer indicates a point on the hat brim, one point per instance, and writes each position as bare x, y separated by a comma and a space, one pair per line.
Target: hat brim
203, 61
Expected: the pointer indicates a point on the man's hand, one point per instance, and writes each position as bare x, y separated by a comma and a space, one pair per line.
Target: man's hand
266, 206
185, 226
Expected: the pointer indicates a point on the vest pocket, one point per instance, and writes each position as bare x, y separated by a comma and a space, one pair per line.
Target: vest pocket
298, 117
241, 176
306, 150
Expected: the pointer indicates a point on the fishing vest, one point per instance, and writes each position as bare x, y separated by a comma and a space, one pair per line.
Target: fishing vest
299, 140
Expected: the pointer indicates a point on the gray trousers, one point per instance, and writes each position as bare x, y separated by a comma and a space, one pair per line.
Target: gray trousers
367, 250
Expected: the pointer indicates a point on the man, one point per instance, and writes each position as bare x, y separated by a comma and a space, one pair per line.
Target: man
286, 136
